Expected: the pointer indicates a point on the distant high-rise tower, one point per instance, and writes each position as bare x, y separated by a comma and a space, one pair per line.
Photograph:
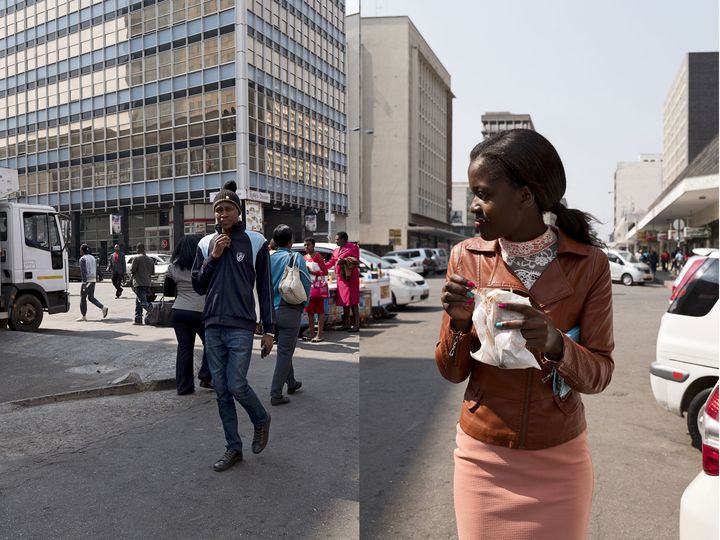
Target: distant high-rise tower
495, 122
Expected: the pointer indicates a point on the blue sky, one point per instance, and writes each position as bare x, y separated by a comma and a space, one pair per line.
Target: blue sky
594, 76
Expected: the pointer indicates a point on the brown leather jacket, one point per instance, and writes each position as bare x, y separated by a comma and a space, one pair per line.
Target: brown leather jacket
514, 407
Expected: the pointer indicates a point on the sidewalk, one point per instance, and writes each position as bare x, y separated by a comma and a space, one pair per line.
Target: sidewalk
140, 465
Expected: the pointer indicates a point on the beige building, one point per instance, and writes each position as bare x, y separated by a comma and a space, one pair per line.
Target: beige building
404, 97
495, 122
637, 184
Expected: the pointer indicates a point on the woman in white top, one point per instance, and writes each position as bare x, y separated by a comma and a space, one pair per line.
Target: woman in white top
187, 317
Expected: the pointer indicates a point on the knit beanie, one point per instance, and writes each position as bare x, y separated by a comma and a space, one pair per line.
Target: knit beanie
227, 194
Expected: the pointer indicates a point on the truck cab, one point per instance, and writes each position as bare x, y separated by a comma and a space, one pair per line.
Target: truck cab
33, 265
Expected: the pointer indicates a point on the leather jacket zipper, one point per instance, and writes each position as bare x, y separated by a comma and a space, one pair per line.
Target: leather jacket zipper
526, 409
453, 348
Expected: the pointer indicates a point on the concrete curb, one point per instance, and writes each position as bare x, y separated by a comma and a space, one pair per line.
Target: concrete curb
100, 391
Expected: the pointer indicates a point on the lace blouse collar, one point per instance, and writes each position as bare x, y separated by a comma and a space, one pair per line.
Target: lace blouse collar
531, 247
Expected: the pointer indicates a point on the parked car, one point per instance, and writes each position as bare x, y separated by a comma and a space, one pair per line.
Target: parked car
698, 257
441, 257
399, 261
686, 363
699, 501
407, 286
424, 256
74, 270
161, 260
626, 268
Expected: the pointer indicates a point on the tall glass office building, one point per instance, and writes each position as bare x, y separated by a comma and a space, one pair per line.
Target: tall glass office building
143, 110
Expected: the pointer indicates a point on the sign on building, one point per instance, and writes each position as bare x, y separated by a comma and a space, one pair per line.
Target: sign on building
115, 224
311, 222
8, 182
395, 236
696, 232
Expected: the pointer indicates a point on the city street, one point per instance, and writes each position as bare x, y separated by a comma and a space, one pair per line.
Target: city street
642, 455
140, 465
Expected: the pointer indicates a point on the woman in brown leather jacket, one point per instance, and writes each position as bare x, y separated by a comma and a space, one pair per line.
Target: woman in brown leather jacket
522, 462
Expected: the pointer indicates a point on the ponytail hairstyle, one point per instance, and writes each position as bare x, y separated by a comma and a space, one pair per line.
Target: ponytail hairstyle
525, 158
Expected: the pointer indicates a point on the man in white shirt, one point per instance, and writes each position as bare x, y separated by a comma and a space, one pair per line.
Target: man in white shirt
88, 275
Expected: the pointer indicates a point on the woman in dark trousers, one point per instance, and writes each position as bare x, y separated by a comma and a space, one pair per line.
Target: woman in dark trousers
187, 317
287, 316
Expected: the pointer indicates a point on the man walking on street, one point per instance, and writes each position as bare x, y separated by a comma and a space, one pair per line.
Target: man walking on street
117, 265
142, 269
228, 266
88, 275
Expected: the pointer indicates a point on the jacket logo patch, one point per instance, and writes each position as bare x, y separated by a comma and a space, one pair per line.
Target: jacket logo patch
240, 256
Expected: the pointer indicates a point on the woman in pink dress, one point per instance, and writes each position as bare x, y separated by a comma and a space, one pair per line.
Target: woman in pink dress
346, 259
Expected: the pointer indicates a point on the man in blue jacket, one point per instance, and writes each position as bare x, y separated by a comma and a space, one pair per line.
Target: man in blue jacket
228, 266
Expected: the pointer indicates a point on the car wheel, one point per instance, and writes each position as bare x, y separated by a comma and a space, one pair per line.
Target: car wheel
627, 279
27, 314
693, 415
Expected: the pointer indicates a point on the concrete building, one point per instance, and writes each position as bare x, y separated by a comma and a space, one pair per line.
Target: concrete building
690, 114
637, 184
495, 122
685, 214
405, 98
144, 109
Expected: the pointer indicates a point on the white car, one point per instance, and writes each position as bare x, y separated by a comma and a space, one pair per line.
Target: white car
699, 501
398, 261
407, 286
424, 256
686, 359
161, 260
626, 268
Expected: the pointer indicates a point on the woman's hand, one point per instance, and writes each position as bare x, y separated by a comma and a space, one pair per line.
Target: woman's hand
458, 301
536, 327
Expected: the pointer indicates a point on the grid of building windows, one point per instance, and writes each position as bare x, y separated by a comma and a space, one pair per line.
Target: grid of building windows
113, 105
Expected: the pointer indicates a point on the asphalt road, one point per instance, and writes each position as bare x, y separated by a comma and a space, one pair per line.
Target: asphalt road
641, 454
140, 465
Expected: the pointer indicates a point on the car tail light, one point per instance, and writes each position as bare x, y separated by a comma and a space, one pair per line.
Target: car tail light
678, 291
710, 437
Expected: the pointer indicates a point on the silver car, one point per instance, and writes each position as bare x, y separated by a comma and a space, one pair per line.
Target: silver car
626, 268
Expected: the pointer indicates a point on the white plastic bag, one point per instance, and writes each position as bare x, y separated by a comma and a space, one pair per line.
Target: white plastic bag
504, 348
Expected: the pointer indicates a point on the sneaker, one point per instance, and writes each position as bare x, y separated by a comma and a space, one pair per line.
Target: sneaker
282, 400
230, 458
81, 319
105, 312
139, 323
206, 384
295, 388
260, 438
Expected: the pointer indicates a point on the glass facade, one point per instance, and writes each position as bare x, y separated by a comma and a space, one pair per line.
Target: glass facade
113, 104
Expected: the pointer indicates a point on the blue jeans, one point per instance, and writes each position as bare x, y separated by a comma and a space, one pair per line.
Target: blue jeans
229, 351
141, 302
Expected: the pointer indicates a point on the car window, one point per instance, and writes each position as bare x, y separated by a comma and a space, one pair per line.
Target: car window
700, 293
613, 258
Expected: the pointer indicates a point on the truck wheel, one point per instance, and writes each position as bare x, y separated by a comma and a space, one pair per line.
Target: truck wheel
627, 279
693, 415
27, 314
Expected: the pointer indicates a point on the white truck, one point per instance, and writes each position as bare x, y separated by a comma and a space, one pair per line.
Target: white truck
33, 264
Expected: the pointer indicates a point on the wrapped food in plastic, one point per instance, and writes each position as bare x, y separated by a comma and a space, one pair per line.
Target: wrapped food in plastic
501, 347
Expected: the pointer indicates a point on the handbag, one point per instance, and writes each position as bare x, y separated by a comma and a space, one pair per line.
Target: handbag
319, 288
291, 286
160, 313
169, 286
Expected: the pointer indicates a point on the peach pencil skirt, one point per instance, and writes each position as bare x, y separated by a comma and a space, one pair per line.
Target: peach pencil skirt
506, 494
